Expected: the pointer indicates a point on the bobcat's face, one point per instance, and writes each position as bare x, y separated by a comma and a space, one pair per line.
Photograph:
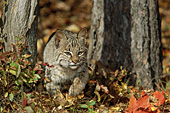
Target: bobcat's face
75, 56
74, 51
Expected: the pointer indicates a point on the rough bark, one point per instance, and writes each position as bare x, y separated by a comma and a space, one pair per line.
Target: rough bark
20, 20
126, 33
146, 41
96, 32
110, 33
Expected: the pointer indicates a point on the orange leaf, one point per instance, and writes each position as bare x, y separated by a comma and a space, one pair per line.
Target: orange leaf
131, 103
159, 96
143, 93
143, 102
134, 105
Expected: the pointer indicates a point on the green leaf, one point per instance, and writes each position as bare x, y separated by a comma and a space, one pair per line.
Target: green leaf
18, 82
83, 106
91, 103
12, 71
24, 80
6, 94
13, 64
16, 38
89, 110
29, 95
36, 77
30, 81
11, 97
24, 74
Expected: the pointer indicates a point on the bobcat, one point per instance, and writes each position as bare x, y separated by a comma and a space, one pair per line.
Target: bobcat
66, 52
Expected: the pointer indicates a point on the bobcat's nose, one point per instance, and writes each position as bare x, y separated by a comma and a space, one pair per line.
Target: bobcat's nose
75, 61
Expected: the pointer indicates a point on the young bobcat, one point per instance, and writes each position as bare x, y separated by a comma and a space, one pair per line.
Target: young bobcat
67, 52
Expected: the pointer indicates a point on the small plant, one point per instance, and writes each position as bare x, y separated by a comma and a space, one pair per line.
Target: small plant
89, 106
15, 73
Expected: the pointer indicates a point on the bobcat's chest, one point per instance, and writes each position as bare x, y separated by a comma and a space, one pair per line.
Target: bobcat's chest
60, 74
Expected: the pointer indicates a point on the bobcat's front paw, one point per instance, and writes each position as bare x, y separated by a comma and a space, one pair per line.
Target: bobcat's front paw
74, 91
76, 87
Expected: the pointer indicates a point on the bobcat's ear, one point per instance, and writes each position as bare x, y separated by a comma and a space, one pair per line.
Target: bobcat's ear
82, 34
59, 36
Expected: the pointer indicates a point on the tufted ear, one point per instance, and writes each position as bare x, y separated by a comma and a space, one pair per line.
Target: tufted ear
59, 36
82, 34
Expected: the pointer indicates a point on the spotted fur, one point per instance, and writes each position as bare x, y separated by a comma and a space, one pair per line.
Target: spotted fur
67, 52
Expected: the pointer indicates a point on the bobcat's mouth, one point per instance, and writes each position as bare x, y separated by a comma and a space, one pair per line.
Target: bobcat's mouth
74, 66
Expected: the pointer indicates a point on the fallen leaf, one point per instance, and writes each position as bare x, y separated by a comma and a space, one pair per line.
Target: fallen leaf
98, 96
28, 109
46, 79
143, 93
114, 108
159, 96
154, 108
97, 87
26, 56
134, 105
70, 100
24, 101
143, 102
104, 88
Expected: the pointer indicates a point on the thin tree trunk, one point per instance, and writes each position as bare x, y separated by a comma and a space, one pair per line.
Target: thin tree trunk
20, 20
96, 32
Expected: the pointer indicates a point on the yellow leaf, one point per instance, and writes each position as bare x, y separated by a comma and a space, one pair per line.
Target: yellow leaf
98, 95
154, 108
124, 85
111, 96
26, 56
80, 96
6, 94
70, 99
121, 67
114, 109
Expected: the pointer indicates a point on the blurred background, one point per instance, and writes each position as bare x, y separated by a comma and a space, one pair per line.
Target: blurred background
70, 15
164, 9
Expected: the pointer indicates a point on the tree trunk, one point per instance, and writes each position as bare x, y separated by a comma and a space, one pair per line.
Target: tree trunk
110, 33
20, 20
114, 33
146, 48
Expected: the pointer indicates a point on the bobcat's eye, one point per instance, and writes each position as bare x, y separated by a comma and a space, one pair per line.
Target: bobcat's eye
80, 53
68, 53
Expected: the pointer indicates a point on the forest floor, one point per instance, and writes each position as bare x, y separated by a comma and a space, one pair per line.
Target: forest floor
103, 94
